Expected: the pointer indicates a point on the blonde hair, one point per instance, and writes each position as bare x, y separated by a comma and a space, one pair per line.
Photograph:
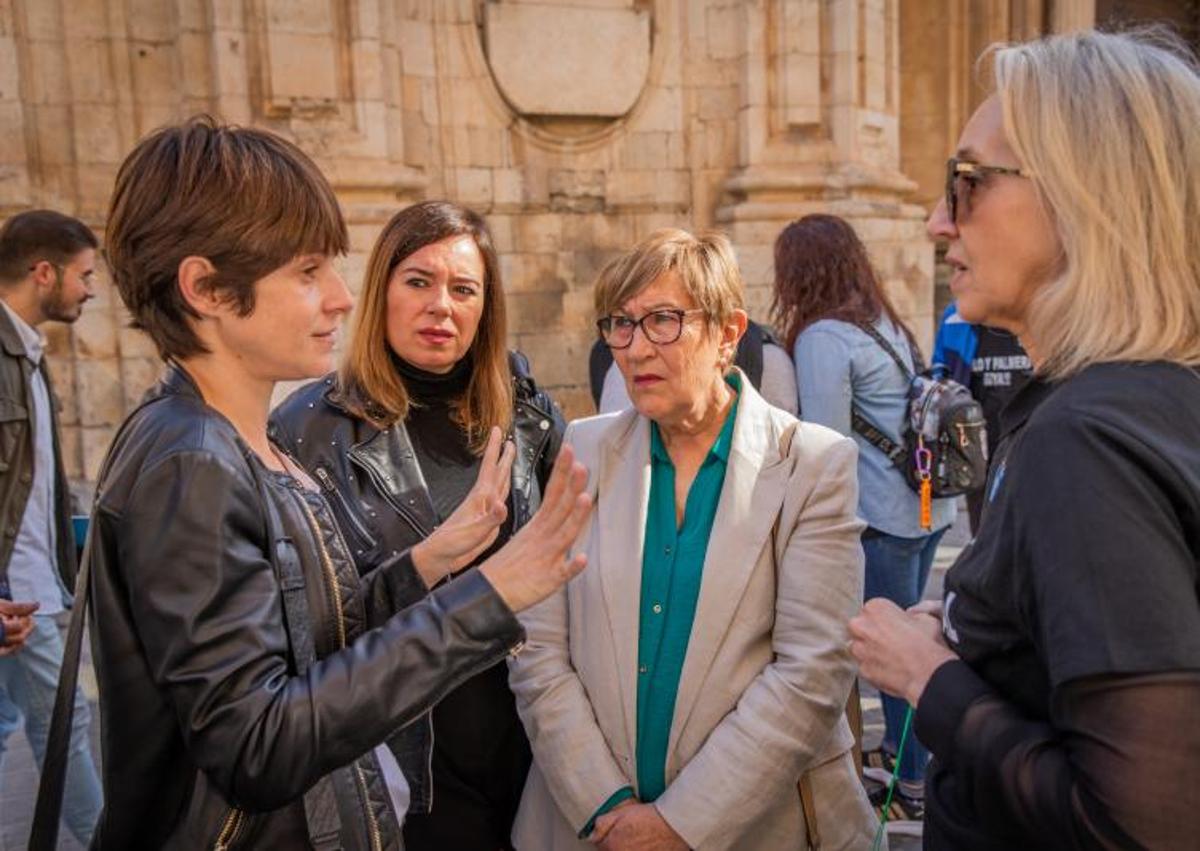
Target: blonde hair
369, 385
704, 262
1109, 124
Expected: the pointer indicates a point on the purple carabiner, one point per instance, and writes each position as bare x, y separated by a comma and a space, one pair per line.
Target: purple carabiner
924, 459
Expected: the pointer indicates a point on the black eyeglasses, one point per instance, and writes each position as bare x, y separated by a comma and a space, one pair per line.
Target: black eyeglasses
963, 176
660, 327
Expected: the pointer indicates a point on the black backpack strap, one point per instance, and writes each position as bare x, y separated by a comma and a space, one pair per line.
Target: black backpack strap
895, 452
749, 355
43, 835
873, 332
599, 360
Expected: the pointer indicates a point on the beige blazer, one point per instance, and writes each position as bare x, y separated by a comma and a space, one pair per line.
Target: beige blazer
767, 669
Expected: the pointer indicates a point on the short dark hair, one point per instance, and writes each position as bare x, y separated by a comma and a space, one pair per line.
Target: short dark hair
247, 200
30, 237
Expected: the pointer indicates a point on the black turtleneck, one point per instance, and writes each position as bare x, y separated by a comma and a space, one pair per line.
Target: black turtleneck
445, 458
480, 753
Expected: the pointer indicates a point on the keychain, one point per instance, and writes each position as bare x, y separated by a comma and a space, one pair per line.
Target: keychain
924, 459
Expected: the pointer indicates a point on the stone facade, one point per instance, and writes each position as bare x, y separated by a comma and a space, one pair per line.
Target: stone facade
576, 126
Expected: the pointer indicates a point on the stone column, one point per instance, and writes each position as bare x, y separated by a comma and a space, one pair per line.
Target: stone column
818, 131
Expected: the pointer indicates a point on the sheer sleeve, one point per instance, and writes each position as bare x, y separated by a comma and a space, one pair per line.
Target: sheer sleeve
1118, 766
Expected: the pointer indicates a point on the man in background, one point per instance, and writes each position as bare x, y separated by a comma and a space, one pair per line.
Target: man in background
47, 266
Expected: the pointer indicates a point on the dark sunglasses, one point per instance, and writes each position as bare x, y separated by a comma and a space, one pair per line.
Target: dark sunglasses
962, 176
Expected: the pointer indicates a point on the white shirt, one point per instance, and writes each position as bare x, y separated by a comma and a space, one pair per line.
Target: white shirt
32, 575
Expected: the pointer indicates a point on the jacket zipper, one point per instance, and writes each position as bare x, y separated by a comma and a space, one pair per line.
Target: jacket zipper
330, 488
335, 592
377, 481
229, 829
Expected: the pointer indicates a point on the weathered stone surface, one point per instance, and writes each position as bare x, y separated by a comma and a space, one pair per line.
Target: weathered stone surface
590, 61
558, 120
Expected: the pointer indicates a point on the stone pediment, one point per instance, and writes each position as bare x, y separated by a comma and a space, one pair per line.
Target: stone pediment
565, 59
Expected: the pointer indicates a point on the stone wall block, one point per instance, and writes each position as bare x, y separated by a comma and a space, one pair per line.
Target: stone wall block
417, 47
503, 238
724, 30
368, 69
62, 376
299, 16
152, 20
558, 358
137, 376
534, 311
72, 456
507, 186
95, 335
43, 20
473, 187
539, 232
757, 263
663, 110
47, 73
574, 402
132, 343
95, 139
10, 74
12, 142
89, 63
95, 442
576, 191
101, 397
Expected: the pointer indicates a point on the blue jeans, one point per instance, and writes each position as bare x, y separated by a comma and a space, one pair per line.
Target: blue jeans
898, 568
28, 681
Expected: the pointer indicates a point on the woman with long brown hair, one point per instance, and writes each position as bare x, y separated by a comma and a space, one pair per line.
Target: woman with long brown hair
396, 439
839, 324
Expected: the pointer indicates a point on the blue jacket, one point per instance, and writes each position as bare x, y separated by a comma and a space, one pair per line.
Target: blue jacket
955, 346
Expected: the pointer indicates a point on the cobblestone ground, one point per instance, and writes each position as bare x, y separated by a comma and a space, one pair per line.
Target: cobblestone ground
18, 785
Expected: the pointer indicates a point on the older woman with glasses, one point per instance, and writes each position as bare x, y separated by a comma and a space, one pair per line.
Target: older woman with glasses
678, 696
1057, 684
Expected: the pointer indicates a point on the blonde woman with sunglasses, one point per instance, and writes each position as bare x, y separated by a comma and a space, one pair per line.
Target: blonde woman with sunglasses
1057, 682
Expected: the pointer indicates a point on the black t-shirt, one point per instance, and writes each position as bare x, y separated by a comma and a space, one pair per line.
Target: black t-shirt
998, 371
1085, 566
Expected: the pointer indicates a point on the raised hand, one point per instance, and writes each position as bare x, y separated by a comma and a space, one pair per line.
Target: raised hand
18, 623
534, 564
474, 525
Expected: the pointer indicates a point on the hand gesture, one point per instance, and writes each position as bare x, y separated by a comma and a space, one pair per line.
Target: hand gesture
474, 525
17, 619
533, 565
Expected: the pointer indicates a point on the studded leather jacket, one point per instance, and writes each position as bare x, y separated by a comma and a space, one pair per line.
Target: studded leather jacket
372, 478
247, 671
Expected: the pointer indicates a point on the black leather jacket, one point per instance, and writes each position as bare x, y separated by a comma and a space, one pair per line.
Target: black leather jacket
219, 727
372, 477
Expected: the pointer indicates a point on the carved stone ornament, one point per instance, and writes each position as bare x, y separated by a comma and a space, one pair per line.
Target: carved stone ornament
564, 59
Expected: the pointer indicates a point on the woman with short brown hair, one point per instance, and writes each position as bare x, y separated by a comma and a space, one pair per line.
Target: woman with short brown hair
396, 439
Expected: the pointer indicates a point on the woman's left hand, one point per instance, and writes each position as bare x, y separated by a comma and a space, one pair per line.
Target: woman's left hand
639, 827
897, 651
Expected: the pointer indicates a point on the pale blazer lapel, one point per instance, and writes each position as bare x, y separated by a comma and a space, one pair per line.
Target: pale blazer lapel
623, 497
753, 492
